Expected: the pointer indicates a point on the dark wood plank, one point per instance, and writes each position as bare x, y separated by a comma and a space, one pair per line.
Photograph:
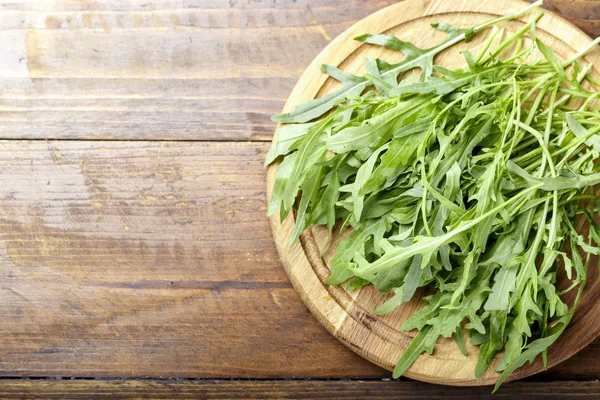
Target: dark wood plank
583, 365
69, 389
156, 259
149, 259
583, 13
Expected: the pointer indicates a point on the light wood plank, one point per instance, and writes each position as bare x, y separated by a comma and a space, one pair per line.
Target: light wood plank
169, 69
198, 70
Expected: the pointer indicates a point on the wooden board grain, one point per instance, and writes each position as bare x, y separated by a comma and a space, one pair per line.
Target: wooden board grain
322, 390
348, 315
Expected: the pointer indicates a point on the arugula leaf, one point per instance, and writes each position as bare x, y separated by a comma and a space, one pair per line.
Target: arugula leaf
533, 349
460, 341
591, 139
284, 171
288, 136
466, 182
306, 155
402, 150
423, 59
550, 56
346, 250
375, 130
416, 347
504, 284
392, 303
362, 176
309, 189
573, 181
340, 75
454, 31
442, 86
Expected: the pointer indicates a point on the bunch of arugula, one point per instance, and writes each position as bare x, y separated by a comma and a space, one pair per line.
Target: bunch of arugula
468, 181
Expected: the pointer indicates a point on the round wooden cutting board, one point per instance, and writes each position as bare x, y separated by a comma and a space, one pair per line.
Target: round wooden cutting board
348, 315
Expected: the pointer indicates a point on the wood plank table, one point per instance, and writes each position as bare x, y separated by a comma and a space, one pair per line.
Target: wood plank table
136, 259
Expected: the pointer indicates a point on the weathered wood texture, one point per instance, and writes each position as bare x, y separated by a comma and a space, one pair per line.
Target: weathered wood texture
68, 389
148, 259
583, 13
169, 69
155, 259
349, 315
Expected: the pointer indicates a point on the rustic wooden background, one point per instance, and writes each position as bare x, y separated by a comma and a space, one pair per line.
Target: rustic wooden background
135, 254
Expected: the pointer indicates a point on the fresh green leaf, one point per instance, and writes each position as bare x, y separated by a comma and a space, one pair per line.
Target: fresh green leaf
466, 183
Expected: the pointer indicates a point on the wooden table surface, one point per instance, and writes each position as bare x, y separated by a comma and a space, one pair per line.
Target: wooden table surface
136, 259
